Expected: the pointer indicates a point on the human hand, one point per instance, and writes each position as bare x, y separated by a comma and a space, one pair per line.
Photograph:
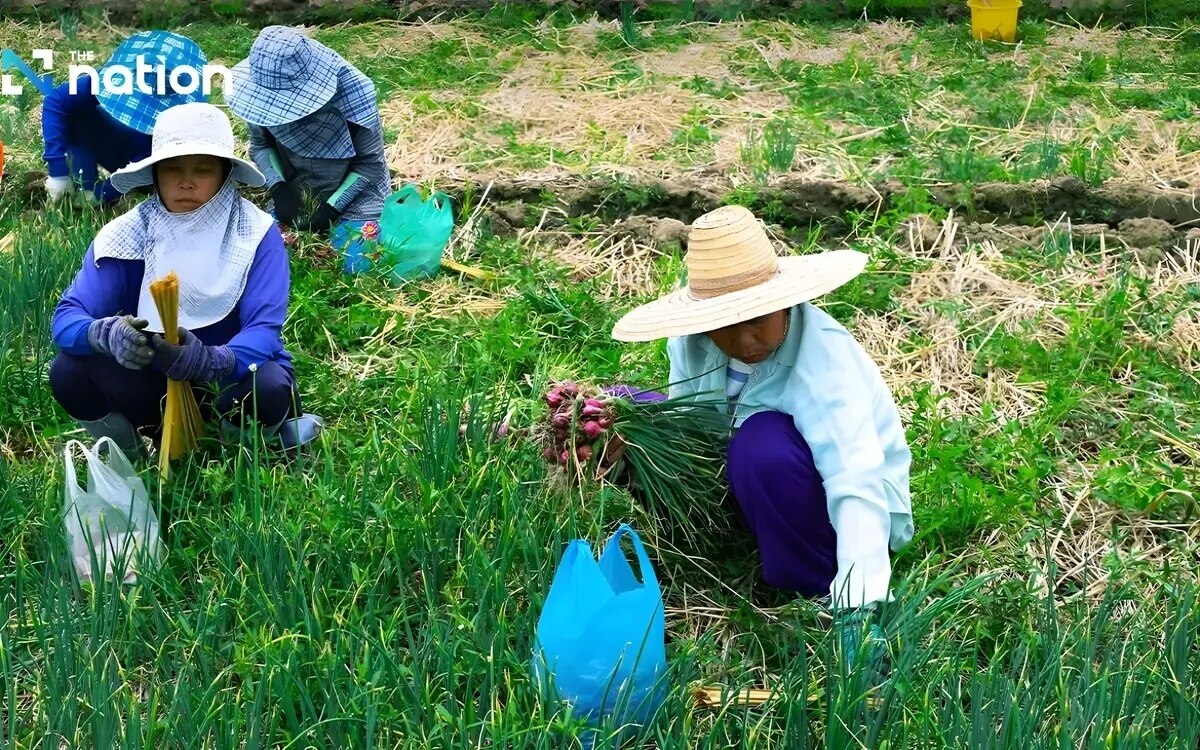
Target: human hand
321, 219
614, 451
121, 338
167, 355
190, 360
286, 201
609, 457
863, 646
57, 187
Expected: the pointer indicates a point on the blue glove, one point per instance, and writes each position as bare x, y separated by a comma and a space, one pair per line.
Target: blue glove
864, 648
191, 361
121, 337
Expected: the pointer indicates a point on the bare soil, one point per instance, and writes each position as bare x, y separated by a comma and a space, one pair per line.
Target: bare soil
1144, 216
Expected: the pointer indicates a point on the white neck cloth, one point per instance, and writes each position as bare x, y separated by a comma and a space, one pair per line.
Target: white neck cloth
210, 249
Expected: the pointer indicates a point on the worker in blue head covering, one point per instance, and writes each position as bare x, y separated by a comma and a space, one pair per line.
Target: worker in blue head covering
106, 127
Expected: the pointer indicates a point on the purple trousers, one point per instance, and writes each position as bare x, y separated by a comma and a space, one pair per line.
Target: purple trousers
782, 499
88, 388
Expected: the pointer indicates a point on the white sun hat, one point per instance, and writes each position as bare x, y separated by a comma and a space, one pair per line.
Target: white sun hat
193, 129
735, 275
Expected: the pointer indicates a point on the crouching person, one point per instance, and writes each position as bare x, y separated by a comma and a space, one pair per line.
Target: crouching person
112, 370
85, 132
818, 462
315, 132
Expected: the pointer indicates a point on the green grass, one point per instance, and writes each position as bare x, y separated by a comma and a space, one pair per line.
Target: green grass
1156, 12
396, 70
918, 104
384, 590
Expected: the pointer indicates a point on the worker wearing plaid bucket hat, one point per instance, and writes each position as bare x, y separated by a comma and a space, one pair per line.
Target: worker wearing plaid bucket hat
315, 130
818, 462
108, 126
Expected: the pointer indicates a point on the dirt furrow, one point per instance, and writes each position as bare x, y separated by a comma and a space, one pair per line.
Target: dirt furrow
796, 202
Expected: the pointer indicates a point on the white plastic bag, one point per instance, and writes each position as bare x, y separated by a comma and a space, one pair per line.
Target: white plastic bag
112, 524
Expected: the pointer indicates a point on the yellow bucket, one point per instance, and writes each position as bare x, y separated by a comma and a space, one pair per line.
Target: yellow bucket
994, 19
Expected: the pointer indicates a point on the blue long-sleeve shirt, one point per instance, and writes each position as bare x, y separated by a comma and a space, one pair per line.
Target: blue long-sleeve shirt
75, 125
253, 329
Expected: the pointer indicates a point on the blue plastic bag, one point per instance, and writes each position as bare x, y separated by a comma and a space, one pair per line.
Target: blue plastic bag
413, 232
601, 642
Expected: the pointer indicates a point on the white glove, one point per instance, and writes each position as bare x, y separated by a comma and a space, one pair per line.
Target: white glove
864, 567
57, 187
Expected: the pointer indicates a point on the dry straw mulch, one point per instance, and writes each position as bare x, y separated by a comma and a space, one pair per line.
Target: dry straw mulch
575, 100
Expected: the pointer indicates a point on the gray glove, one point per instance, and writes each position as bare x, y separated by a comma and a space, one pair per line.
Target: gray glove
121, 338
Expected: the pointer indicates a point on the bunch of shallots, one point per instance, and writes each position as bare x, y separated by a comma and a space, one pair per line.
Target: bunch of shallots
580, 424
670, 452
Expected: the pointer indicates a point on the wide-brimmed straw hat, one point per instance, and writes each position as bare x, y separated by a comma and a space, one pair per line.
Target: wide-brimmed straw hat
734, 275
287, 76
138, 109
188, 130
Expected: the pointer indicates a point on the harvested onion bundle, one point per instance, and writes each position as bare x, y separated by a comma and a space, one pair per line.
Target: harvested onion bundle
674, 450
578, 419
182, 424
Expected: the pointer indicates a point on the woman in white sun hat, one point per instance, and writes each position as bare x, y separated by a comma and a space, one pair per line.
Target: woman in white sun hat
818, 464
314, 130
112, 370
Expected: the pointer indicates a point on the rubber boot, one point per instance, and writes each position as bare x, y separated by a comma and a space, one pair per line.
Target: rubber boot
299, 432
117, 427
291, 433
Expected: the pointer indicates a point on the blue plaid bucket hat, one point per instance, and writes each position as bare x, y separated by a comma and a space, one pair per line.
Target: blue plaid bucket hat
139, 110
287, 76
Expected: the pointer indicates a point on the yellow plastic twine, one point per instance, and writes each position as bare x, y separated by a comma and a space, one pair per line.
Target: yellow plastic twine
182, 425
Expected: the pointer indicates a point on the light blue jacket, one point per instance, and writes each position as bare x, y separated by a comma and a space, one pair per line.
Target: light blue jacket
836, 396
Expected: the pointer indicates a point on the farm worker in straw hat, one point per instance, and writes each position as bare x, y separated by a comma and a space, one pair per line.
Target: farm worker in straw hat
818, 462
84, 131
112, 371
315, 129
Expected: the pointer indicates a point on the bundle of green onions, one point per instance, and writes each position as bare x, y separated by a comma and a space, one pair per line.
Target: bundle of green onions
673, 452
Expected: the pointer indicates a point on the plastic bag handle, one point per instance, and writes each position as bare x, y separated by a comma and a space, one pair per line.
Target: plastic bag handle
93, 455
117, 460
95, 463
440, 201
648, 575
69, 464
407, 193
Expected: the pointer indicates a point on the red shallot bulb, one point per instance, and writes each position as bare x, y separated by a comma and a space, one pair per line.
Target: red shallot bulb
593, 430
